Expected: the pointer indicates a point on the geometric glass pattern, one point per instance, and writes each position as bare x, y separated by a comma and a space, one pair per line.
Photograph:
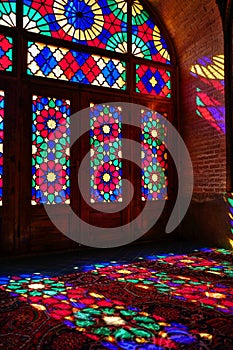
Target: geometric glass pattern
8, 13
98, 23
6, 44
147, 41
1, 140
50, 150
106, 150
153, 81
153, 156
60, 63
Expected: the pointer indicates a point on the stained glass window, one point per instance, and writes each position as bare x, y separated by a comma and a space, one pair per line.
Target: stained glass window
50, 150
101, 24
105, 139
6, 45
8, 13
59, 63
153, 81
147, 41
154, 156
98, 23
1, 140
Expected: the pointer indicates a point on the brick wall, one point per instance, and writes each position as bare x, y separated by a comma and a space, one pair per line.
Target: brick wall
196, 29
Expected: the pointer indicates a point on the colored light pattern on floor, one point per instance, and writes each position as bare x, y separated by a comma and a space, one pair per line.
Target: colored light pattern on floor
154, 155
6, 51
2, 105
121, 325
8, 13
106, 148
210, 74
216, 296
50, 150
100, 23
200, 264
153, 81
81, 309
195, 290
59, 63
147, 41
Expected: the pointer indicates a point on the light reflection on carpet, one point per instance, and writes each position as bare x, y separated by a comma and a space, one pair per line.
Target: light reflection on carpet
126, 306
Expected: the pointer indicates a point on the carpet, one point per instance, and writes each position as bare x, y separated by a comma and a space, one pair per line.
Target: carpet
167, 301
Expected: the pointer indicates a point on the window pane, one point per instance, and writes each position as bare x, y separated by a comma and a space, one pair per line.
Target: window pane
6, 45
106, 147
98, 23
59, 63
8, 13
154, 157
1, 140
50, 150
153, 81
147, 41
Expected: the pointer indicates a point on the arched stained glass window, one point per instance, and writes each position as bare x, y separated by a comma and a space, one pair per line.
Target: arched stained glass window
98, 23
147, 40
90, 46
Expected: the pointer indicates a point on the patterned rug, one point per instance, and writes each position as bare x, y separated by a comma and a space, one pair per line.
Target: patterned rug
163, 302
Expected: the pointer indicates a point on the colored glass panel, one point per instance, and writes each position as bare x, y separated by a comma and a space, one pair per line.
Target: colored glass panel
6, 45
1, 141
106, 143
50, 150
147, 41
8, 13
154, 156
59, 63
153, 81
98, 23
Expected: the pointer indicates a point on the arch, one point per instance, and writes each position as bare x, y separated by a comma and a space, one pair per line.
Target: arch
74, 55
